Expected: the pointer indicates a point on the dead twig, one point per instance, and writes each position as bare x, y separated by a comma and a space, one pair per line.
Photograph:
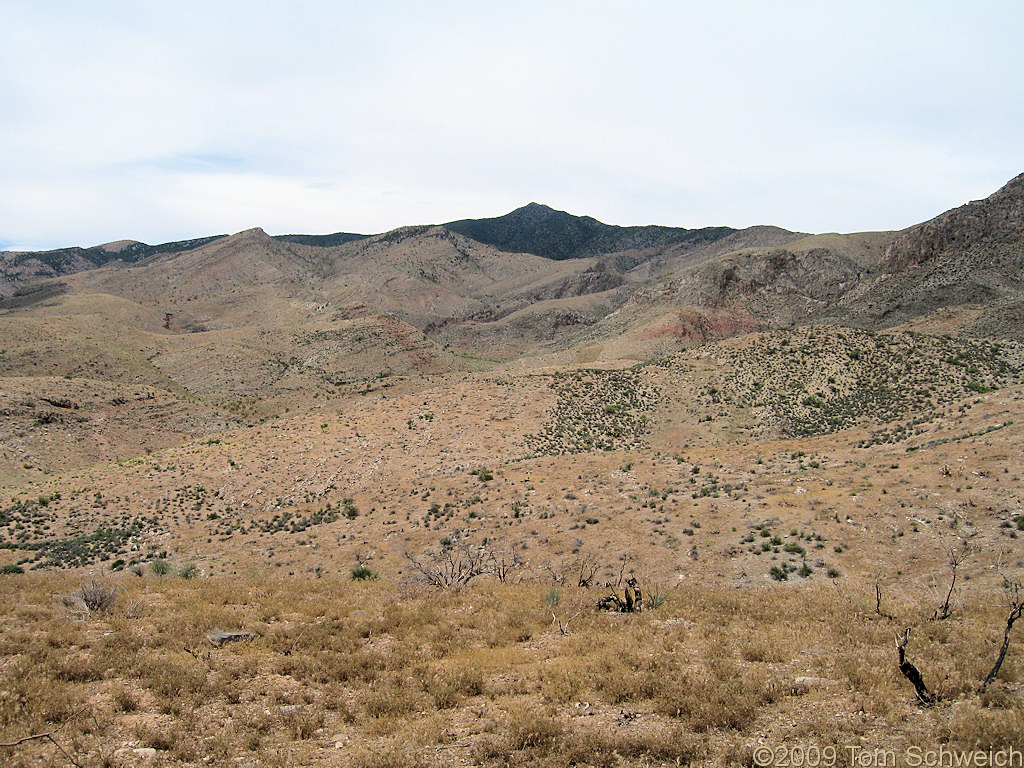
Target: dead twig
878, 604
1016, 606
49, 737
956, 559
911, 672
563, 628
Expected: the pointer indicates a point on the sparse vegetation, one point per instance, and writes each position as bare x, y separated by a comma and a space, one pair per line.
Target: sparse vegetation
597, 410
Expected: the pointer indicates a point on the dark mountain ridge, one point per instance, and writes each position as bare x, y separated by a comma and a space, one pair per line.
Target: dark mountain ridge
543, 231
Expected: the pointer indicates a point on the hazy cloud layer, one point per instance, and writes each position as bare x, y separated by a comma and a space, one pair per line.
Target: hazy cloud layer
161, 121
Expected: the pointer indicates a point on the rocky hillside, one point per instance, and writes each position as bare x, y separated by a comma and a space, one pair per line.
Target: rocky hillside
967, 259
23, 268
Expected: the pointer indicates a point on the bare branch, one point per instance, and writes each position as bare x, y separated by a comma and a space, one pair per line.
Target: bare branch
563, 628
451, 567
49, 737
955, 560
501, 564
556, 576
911, 672
878, 604
1016, 606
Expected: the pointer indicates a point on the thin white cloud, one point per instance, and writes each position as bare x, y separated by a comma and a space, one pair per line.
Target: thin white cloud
163, 121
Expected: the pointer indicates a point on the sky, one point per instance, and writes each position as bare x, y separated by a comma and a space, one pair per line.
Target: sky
161, 121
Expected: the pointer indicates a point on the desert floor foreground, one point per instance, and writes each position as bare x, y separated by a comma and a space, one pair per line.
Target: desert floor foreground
346, 673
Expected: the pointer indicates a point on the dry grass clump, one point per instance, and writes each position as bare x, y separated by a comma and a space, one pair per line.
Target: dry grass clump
91, 597
719, 697
450, 686
531, 738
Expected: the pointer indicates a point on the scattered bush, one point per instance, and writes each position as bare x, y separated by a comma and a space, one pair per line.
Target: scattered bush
349, 508
363, 573
188, 571
93, 597
552, 597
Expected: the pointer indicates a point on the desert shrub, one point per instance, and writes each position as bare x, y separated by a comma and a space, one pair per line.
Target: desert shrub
93, 597
10, 568
31, 699
390, 701
304, 722
124, 699
396, 754
713, 700
450, 687
529, 730
363, 573
188, 571
160, 567
672, 745
172, 679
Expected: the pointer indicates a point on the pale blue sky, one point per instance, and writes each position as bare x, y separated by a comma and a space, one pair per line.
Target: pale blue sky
168, 120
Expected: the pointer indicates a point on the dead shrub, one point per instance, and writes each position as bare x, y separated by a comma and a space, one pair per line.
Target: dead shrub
303, 723
390, 701
673, 745
124, 700
449, 687
705, 701
564, 683
31, 700
984, 728
80, 667
162, 739
91, 597
535, 731
392, 755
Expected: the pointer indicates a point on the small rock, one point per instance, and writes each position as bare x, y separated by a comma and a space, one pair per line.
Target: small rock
218, 637
811, 682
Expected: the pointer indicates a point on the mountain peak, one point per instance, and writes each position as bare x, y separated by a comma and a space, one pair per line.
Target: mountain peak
255, 233
545, 231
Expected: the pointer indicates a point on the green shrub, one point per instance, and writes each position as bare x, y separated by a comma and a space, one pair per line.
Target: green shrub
10, 568
363, 573
160, 567
188, 571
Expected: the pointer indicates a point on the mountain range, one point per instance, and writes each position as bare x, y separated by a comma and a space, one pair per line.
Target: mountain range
539, 282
